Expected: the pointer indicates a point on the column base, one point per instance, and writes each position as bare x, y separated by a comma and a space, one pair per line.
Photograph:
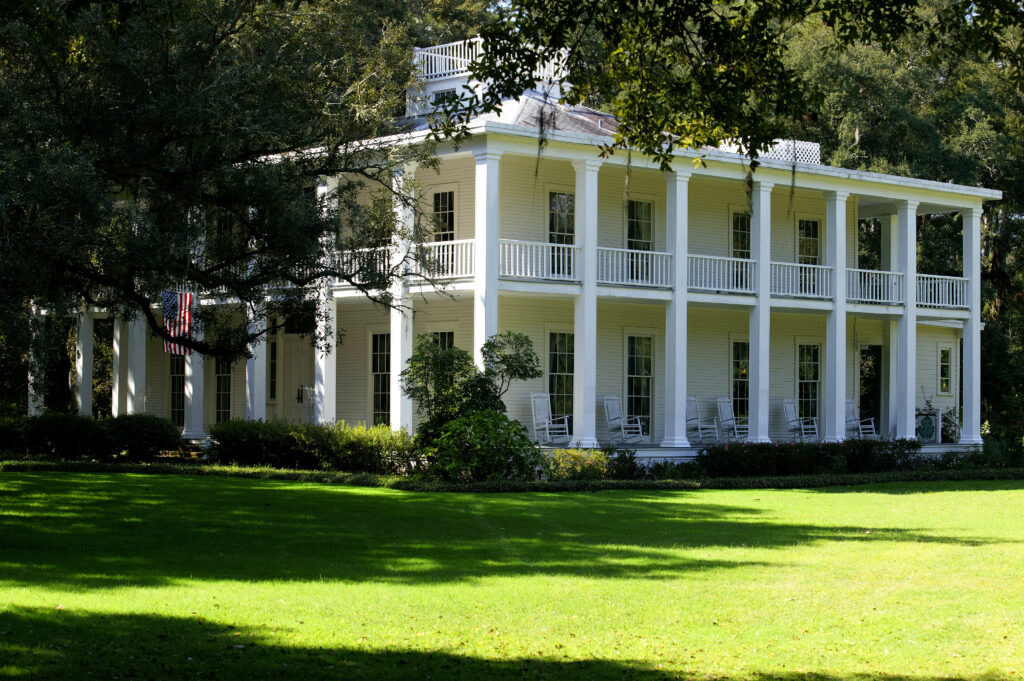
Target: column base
971, 441
834, 439
193, 435
584, 443
675, 442
759, 440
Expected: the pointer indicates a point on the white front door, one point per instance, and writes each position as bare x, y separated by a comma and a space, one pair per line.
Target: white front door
298, 392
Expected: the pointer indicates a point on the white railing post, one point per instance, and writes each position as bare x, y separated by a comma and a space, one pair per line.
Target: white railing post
584, 420
906, 399
760, 315
677, 214
970, 431
835, 324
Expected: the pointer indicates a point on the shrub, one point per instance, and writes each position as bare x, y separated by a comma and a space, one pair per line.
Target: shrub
12, 435
739, 459
65, 436
576, 464
623, 465
485, 445
339, 446
676, 470
141, 436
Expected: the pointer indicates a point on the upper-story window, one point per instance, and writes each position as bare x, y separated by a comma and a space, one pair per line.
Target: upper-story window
444, 216
807, 247
442, 97
741, 235
561, 218
639, 226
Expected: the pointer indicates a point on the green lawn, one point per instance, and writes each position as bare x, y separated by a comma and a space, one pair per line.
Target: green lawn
145, 576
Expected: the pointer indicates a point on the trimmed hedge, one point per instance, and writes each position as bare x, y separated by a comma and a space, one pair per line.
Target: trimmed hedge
483, 445
741, 459
60, 435
338, 446
418, 484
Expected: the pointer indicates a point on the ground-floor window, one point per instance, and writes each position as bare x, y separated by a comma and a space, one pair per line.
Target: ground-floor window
272, 371
808, 374
640, 378
946, 371
560, 373
445, 339
740, 377
380, 373
223, 403
178, 390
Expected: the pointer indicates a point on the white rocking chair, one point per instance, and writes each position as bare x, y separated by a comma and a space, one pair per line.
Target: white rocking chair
863, 428
621, 428
547, 428
736, 428
705, 429
805, 428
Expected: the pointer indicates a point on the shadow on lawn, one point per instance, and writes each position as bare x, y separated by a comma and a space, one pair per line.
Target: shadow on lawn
94, 531
62, 644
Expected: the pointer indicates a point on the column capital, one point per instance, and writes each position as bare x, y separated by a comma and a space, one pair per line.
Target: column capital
837, 195
909, 205
587, 164
485, 155
971, 213
681, 175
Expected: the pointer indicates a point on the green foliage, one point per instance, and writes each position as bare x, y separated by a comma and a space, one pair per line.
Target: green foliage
738, 459
577, 464
623, 465
66, 436
141, 437
304, 446
446, 384
484, 445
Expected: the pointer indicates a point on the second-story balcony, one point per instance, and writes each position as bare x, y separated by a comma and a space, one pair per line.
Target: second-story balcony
794, 280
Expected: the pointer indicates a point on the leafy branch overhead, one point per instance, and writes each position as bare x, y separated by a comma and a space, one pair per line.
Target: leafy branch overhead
693, 73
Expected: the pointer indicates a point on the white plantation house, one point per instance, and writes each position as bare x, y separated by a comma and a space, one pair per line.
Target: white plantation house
647, 286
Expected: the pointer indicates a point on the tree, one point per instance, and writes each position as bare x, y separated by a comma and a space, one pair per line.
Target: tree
693, 73
446, 384
172, 144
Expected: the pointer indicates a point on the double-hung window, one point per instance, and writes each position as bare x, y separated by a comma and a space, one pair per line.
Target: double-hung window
740, 377
561, 366
640, 379
380, 376
561, 231
741, 235
945, 371
807, 380
222, 411
639, 237
178, 390
444, 230
445, 339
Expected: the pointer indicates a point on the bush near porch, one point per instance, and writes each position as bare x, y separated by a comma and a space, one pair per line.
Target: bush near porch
737, 459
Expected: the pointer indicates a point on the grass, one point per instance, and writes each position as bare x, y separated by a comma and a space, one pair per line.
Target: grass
175, 577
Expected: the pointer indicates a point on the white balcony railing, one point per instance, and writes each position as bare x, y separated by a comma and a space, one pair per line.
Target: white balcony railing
720, 275
445, 61
447, 259
634, 268
801, 281
537, 260
870, 286
936, 291
366, 262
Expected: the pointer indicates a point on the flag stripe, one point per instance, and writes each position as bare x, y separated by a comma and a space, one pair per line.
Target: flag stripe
177, 312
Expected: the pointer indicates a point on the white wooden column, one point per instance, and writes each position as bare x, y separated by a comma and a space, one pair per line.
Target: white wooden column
834, 429
906, 332
760, 315
135, 400
36, 382
401, 316
677, 222
195, 428
584, 382
83, 363
485, 254
256, 372
892, 376
970, 431
118, 368
326, 370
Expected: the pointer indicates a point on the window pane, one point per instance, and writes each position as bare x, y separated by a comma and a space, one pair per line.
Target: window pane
178, 390
380, 374
808, 371
741, 235
740, 378
560, 373
639, 381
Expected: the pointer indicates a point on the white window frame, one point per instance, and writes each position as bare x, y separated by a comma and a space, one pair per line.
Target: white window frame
733, 210
556, 188
170, 390
628, 331
822, 359
371, 331
733, 339
546, 359
820, 219
647, 198
443, 326
952, 369
274, 338
217, 375
428, 193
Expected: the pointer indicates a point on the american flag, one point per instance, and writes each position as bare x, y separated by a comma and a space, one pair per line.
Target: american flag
177, 311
